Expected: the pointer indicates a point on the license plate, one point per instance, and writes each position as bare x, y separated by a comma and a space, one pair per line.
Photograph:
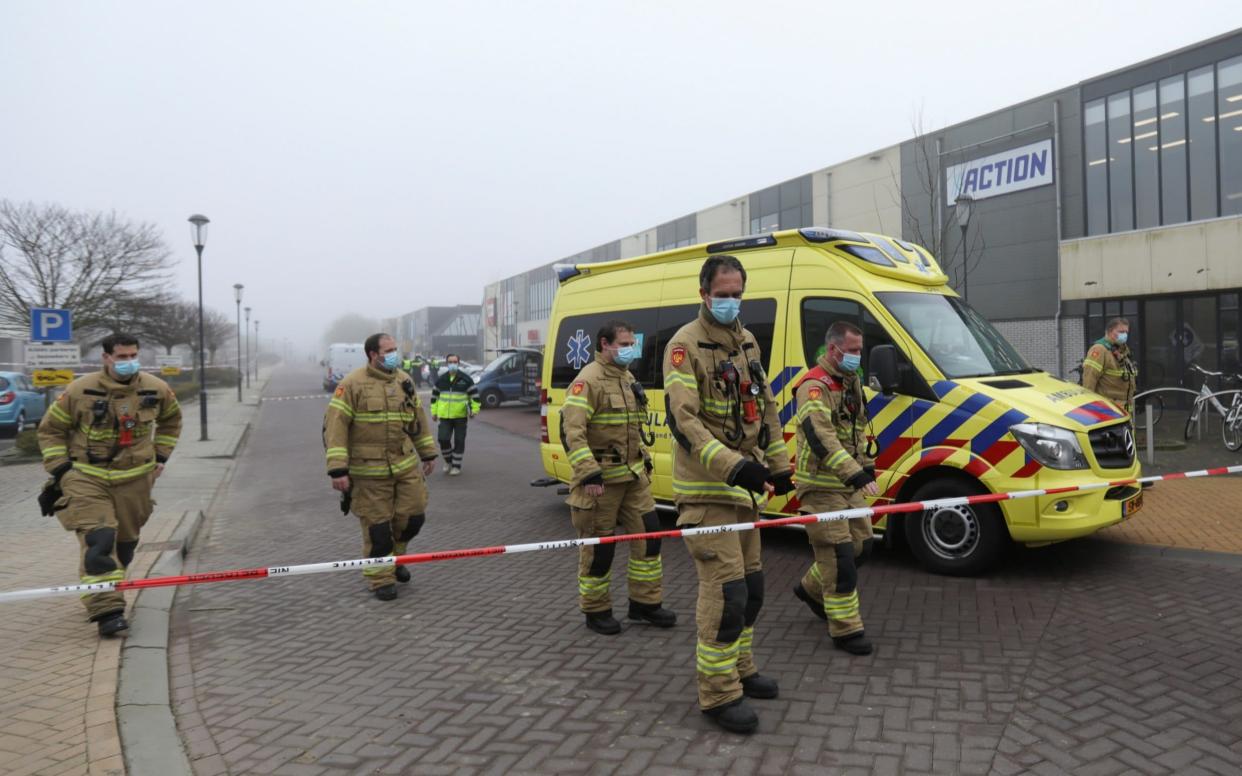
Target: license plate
1133, 505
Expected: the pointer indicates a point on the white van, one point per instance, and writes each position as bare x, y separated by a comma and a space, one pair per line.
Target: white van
343, 358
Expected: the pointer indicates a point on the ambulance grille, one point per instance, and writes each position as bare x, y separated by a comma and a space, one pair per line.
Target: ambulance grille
1113, 446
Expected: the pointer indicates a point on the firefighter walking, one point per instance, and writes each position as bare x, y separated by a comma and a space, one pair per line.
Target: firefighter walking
729, 453
601, 431
454, 400
375, 431
105, 441
1109, 368
835, 472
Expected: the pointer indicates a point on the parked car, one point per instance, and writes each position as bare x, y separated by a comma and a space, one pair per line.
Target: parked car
20, 403
343, 358
512, 376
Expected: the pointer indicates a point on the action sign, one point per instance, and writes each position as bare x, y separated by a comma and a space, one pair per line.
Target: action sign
46, 355
48, 324
46, 378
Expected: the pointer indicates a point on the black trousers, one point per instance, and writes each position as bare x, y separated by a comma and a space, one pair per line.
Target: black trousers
452, 440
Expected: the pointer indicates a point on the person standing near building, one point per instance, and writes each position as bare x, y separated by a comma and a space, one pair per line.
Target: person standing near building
601, 431
375, 431
454, 401
106, 440
1109, 369
835, 472
729, 453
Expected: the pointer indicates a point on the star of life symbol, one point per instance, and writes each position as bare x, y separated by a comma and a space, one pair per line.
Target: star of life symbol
579, 352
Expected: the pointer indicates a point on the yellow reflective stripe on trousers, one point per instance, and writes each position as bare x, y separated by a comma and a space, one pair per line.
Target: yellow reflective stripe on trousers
648, 570
591, 587
111, 576
379, 569
841, 607
715, 661
114, 475
745, 640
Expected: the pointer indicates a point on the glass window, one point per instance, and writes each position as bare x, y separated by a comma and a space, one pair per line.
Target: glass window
1229, 323
1201, 113
1199, 335
1097, 169
1229, 130
1120, 170
1146, 144
1176, 209
819, 314
956, 338
785, 206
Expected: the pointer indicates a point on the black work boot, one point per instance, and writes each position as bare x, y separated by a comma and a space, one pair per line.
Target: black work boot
386, 593
403, 574
756, 686
855, 643
112, 623
817, 607
603, 622
655, 614
734, 716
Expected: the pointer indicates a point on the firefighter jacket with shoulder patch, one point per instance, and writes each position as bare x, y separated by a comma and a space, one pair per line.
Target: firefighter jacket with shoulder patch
720, 411
1109, 370
601, 424
832, 430
111, 430
454, 396
375, 425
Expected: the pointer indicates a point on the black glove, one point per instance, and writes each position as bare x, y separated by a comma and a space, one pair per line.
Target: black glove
782, 483
860, 480
750, 475
347, 500
595, 479
647, 464
870, 470
50, 495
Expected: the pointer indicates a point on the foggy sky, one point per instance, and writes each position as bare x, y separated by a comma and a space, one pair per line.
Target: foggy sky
381, 156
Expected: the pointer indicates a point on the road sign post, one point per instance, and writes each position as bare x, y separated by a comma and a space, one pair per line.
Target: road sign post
50, 324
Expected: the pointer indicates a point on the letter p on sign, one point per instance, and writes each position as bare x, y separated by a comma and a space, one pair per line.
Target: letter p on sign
50, 325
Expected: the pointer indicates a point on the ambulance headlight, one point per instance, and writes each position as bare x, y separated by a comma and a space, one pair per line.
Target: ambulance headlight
1056, 448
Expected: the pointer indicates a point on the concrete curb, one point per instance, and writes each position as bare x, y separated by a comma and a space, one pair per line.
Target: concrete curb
149, 738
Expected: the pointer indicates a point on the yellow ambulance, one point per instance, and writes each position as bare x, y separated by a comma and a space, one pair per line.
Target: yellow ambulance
954, 409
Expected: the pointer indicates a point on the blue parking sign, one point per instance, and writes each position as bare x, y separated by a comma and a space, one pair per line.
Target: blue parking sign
48, 324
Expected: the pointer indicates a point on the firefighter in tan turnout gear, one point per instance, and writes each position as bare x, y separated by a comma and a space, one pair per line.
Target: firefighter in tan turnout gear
834, 472
728, 454
105, 440
601, 431
1109, 368
375, 430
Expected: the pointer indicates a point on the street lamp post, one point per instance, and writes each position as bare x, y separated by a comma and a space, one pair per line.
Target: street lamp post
963, 207
247, 347
237, 294
258, 349
198, 230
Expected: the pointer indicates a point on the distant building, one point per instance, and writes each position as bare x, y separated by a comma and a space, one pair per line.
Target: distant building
436, 331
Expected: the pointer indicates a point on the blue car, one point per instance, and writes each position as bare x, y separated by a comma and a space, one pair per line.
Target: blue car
21, 405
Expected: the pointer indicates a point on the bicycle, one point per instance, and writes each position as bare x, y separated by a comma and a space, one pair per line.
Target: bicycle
1231, 416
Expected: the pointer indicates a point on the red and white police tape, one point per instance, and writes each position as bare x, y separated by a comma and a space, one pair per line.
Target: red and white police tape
511, 549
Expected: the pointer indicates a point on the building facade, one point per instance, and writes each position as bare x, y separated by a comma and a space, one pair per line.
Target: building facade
1117, 196
437, 331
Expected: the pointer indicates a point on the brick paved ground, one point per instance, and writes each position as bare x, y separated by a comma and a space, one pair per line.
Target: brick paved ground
1079, 658
1203, 514
57, 679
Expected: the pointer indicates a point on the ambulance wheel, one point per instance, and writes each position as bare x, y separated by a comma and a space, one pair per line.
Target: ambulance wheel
959, 540
491, 399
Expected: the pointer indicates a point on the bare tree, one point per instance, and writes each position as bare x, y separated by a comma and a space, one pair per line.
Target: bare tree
94, 264
925, 214
218, 330
350, 327
167, 321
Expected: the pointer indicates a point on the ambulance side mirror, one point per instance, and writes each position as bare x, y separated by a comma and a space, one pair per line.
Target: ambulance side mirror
883, 365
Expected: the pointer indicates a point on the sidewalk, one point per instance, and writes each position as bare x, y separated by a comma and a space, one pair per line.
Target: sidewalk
1198, 514
58, 680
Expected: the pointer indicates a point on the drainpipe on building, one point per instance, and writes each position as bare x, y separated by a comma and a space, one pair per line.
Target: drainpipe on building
1056, 148
828, 175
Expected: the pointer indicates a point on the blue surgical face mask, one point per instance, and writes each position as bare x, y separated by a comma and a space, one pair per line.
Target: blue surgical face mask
1122, 337
850, 362
126, 368
391, 360
625, 356
725, 309
452, 367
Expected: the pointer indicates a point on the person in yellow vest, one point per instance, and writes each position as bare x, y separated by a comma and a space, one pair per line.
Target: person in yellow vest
106, 440
601, 431
375, 431
1109, 369
454, 401
728, 455
835, 472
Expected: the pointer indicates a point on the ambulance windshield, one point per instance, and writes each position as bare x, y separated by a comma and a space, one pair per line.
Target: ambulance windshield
959, 340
